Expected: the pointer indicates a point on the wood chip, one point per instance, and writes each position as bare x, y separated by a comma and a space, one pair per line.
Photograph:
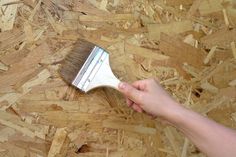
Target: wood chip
28, 32
232, 83
39, 79
185, 148
5, 133
214, 104
234, 116
115, 17
155, 30
210, 55
233, 49
209, 87
21, 70
193, 9
36, 8
221, 38
57, 143
225, 17
146, 53
3, 67
8, 14
175, 48
11, 98
103, 5
210, 6
134, 128
14, 122
172, 140
58, 27
136, 152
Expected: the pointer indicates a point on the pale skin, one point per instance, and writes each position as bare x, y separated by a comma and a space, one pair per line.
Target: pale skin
211, 138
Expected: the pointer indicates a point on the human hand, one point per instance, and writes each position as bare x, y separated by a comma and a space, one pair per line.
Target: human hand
147, 95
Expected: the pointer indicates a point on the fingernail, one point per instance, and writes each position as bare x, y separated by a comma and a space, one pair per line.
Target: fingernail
122, 85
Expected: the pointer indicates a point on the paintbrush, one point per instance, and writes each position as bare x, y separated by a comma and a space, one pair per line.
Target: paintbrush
87, 67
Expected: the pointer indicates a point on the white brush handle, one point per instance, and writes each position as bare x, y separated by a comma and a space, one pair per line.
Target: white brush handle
104, 77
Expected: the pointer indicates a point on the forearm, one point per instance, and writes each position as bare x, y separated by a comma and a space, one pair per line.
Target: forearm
211, 138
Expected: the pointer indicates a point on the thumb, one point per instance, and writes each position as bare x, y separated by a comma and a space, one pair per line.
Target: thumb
129, 91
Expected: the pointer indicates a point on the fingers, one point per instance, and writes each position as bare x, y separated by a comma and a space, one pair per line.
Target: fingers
131, 92
133, 96
144, 84
141, 85
129, 102
133, 105
137, 108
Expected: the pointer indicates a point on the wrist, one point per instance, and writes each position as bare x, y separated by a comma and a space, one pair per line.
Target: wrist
174, 113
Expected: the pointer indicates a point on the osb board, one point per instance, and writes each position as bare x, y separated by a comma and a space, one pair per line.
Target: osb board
188, 44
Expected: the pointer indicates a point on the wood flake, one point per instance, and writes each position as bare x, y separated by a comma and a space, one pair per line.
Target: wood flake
233, 48
146, 53
11, 39
210, 55
28, 32
57, 143
172, 140
103, 5
228, 92
136, 153
213, 104
3, 67
176, 49
134, 128
14, 122
191, 70
190, 40
179, 2
193, 9
209, 87
39, 79
225, 17
36, 8
11, 98
58, 27
185, 148
221, 38
21, 70
234, 116
155, 30
5, 133
7, 17
30, 2
210, 6
232, 83
87, 8
114, 18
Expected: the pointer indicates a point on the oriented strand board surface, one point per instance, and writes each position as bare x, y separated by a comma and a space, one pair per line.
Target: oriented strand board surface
188, 44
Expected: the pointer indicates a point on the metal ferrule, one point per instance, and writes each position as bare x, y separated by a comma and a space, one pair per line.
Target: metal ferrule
90, 68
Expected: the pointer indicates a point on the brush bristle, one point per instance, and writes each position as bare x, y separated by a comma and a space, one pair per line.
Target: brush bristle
75, 60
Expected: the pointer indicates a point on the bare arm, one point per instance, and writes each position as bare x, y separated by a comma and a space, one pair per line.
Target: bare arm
210, 137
